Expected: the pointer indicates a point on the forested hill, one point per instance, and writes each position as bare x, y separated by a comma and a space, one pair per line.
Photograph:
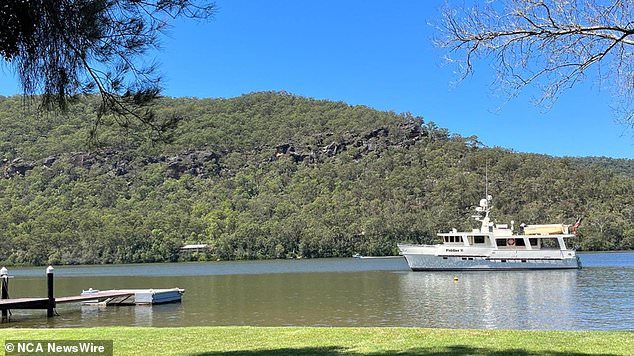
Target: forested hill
619, 165
272, 175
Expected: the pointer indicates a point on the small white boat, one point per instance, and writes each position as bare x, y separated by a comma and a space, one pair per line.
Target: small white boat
496, 247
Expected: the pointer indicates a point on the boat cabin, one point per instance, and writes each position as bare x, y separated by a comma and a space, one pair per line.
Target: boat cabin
460, 239
504, 242
500, 236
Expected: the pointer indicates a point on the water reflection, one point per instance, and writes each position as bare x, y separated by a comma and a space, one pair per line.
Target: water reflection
347, 292
521, 300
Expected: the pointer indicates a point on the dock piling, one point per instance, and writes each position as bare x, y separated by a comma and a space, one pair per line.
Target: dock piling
50, 310
4, 290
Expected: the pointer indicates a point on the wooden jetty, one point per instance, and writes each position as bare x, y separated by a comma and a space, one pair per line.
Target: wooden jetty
6, 304
109, 297
23, 303
42, 303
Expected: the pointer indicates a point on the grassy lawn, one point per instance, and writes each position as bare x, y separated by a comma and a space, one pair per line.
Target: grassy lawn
339, 341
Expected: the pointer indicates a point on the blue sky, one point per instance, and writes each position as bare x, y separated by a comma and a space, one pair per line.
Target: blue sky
374, 53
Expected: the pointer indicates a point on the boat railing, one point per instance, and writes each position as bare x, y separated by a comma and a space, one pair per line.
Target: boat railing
416, 245
534, 248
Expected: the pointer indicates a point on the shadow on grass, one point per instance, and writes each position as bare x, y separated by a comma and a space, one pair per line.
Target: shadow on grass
452, 350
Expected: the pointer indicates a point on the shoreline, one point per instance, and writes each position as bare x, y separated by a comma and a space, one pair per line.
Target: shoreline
250, 261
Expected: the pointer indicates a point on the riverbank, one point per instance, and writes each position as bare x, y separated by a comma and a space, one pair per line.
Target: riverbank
236, 340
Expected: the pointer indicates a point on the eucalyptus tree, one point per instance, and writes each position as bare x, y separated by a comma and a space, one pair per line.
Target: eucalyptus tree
552, 44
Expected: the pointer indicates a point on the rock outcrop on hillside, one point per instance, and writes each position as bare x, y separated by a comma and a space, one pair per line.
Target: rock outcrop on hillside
375, 140
15, 167
205, 163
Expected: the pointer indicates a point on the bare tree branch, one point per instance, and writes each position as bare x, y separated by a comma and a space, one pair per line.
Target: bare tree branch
553, 44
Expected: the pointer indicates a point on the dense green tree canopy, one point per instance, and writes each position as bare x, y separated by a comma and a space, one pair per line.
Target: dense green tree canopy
273, 175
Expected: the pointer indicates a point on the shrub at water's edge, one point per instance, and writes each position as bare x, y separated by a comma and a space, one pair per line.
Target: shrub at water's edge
273, 175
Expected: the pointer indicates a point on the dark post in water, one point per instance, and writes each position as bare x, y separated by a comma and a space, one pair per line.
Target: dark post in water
4, 289
51, 299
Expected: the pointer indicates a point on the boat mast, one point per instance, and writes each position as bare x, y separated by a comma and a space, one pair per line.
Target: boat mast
485, 207
486, 180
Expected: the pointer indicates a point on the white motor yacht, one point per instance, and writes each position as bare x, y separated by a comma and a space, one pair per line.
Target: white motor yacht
496, 247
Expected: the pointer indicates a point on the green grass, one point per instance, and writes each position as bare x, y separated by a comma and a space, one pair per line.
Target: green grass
340, 341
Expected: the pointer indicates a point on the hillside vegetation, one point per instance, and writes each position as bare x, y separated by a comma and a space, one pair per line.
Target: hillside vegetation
273, 175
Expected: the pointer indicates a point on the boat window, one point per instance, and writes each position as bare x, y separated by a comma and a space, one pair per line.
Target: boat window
533, 242
550, 243
458, 238
519, 242
501, 242
478, 239
446, 239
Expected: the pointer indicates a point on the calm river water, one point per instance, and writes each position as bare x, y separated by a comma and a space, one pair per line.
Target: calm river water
345, 292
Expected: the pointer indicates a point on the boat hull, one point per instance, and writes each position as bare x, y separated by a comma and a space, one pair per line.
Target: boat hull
421, 262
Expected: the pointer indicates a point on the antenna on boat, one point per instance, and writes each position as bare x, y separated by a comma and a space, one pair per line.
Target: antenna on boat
482, 211
486, 183
486, 180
